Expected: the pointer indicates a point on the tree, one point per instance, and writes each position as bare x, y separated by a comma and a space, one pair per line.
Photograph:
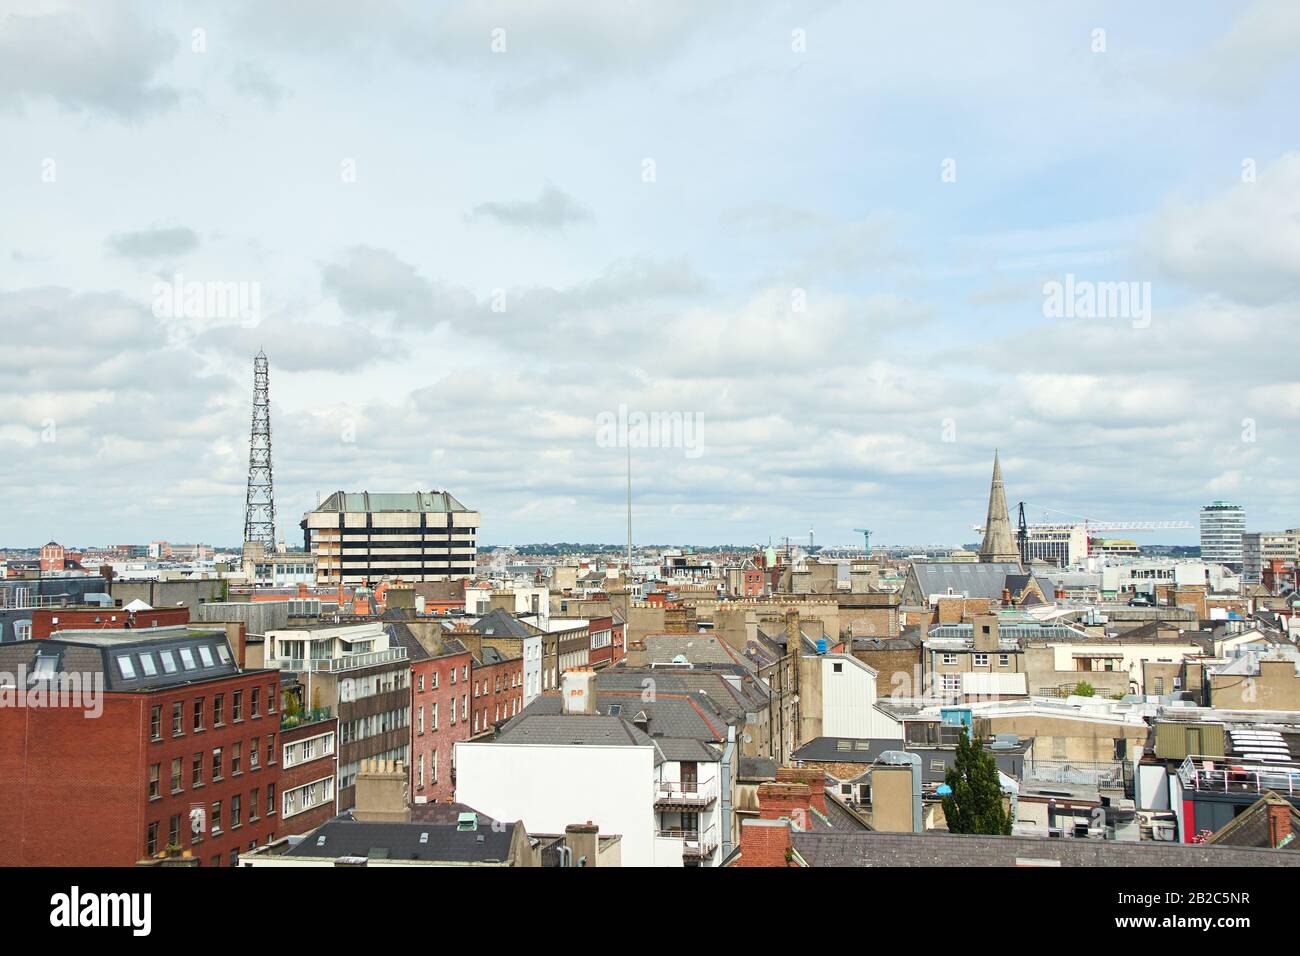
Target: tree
1084, 689
975, 804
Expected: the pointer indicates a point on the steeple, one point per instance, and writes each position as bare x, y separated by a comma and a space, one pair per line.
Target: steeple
998, 543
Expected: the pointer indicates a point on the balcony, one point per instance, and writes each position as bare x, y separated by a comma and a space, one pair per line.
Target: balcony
299, 718
672, 794
335, 665
1233, 775
695, 844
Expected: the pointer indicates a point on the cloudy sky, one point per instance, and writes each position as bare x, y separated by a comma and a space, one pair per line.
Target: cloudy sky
822, 231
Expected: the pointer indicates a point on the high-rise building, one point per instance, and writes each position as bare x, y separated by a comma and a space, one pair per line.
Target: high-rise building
363, 538
1259, 548
259, 503
1222, 525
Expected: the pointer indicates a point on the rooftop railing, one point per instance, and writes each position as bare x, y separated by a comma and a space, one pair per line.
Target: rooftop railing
334, 665
1233, 775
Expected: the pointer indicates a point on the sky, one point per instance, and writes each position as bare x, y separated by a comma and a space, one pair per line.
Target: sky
825, 240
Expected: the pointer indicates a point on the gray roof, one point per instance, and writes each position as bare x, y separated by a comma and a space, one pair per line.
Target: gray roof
669, 716
144, 659
695, 648
938, 848
685, 748
364, 501
565, 730
962, 578
407, 841
499, 622
757, 768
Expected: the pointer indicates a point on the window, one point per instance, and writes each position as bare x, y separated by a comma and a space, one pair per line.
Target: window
433, 681
1004, 660
270, 799
453, 710
981, 660
125, 666
837, 667
936, 766
237, 706
219, 710
464, 672
187, 658
476, 688
254, 753
255, 703
151, 842
420, 719
168, 662
420, 684
155, 722
178, 719
198, 715
236, 811
952, 683
843, 745
174, 830
216, 764
453, 675
147, 665
419, 775
155, 770
205, 655
433, 767
464, 706
253, 805
236, 755
216, 817
176, 775
950, 658
433, 716
270, 699
1160, 686
270, 748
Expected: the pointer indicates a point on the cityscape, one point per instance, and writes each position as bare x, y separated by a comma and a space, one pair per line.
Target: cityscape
485, 436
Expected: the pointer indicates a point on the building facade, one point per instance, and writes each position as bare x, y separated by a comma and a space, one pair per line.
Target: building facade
1222, 525
421, 536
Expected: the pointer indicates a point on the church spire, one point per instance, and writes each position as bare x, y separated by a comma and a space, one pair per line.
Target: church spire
998, 543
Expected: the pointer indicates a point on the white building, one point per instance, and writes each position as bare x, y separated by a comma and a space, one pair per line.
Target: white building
1222, 525
663, 797
849, 695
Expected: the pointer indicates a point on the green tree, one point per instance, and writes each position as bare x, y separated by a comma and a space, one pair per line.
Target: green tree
975, 804
1084, 689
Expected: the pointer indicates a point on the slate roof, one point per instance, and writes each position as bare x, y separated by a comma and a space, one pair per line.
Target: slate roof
756, 768
566, 730
695, 648
936, 848
144, 659
1250, 827
499, 622
971, 579
670, 715
400, 635
407, 841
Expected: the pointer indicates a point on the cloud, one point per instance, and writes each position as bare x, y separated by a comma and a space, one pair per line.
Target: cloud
375, 283
553, 209
154, 243
1243, 244
98, 58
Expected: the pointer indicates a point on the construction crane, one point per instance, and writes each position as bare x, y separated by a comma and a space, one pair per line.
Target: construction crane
866, 540
1089, 525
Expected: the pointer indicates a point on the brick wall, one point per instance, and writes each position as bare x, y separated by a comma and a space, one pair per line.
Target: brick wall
764, 843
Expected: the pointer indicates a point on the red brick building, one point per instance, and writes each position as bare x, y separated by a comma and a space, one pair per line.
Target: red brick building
498, 690
440, 670
47, 620
607, 646
52, 557
308, 781
179, 750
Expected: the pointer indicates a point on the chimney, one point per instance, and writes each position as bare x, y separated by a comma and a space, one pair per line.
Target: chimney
578, 685
1006, 597
765, 843
813, 779
793, 642
1279, 824
583, 841
791, 801
383, 792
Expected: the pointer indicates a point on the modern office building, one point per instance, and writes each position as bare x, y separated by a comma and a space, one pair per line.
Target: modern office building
1222, 525
365, 538
1259, 548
